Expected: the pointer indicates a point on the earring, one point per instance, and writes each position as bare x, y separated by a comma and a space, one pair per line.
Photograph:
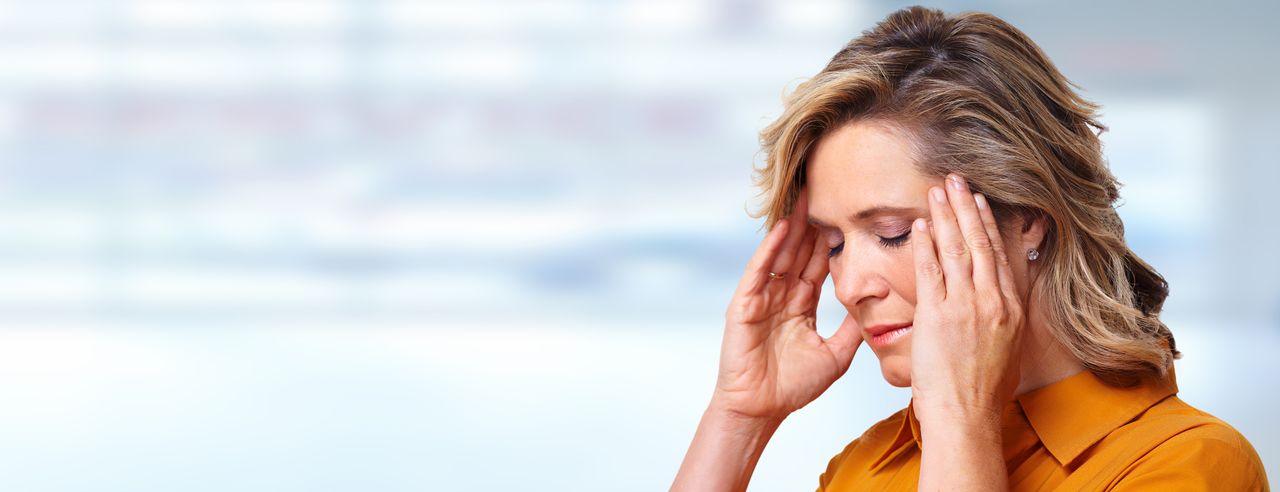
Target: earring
1032, 254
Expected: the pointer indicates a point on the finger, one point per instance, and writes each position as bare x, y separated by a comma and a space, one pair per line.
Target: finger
845, 342
818, 265
957, 268
779, 284
975, 235
1004, 272
930, 288
798, 219
806, 293
804, 252
757, 272
800, 295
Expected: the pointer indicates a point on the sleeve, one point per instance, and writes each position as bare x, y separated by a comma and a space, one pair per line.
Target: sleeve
1205, 458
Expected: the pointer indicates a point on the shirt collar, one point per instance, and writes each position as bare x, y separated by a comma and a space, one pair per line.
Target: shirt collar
1072, 415
1068, 416
907, 434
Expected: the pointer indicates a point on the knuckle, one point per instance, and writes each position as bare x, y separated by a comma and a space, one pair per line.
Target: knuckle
987, 311
1016, 313
1011, 314
978, 240
930, 268
956, 250
989, 308
736, 312
1000, 315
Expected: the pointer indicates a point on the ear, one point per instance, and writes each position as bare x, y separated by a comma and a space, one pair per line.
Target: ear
1034, 227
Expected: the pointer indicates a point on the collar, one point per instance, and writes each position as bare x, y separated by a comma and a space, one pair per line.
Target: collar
1072, 415
1068, 416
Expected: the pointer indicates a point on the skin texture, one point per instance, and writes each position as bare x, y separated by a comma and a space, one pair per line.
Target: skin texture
950, 276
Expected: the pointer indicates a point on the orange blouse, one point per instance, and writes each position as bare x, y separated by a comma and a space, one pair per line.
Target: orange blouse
1075, 434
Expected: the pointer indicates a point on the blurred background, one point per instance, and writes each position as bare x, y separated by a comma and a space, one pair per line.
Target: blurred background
445, 245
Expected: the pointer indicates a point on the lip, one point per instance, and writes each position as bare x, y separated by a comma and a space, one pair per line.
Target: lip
883, 335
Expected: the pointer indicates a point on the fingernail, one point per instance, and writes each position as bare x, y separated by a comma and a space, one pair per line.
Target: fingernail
982, 201
956, 183
938, 195
919, 225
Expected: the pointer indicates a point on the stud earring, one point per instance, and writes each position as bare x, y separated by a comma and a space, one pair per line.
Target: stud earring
1032, 254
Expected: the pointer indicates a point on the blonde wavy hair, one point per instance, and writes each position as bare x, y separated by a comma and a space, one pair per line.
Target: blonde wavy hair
980, 99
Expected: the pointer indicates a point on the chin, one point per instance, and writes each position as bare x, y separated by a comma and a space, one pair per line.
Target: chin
896, 370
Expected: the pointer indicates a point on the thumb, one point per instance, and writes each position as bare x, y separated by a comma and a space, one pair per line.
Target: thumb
845, 342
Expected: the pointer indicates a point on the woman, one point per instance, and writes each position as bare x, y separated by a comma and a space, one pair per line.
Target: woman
951, 182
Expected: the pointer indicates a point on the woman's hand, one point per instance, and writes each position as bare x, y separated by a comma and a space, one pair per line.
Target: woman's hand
772, 359
964, 349
965, 342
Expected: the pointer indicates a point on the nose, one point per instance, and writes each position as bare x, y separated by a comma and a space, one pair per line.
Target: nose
858, 279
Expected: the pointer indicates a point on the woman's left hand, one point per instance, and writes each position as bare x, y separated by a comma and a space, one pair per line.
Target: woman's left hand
964, 345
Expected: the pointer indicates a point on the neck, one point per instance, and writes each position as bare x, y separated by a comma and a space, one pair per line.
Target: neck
1044, 360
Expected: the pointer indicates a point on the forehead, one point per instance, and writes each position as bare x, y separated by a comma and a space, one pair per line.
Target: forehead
862, 165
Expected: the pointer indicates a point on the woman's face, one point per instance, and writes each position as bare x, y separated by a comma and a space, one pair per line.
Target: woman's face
864, 192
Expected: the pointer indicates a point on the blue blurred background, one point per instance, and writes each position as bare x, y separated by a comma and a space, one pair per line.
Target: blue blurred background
445, 245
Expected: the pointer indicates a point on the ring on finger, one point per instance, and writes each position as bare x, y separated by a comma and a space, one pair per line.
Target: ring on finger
773, 275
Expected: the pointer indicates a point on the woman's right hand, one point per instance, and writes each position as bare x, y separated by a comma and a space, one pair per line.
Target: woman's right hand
772, 359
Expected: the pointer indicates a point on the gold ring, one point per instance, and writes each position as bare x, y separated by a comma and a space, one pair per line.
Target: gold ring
776, 275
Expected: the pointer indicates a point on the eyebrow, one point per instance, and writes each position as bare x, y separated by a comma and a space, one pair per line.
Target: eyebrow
871, 212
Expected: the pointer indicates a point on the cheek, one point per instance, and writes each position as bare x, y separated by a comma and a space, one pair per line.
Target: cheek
903, 274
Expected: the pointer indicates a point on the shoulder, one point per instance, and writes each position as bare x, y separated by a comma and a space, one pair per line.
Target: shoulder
1191, 450
862, 449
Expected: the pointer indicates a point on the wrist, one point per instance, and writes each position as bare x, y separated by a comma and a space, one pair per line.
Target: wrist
962, 450
953, 422
728, 418
725, 450
956, 405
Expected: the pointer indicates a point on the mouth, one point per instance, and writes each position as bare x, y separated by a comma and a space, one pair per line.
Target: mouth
885, 335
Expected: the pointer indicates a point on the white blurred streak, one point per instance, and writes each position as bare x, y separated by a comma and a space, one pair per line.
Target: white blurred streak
50, 229
49, 286
187, 67
664, 17
488, 17
59, 16
276, 14
65, 63
482, 227
234, 288
411, 292
491, 65
63, 377
802, 15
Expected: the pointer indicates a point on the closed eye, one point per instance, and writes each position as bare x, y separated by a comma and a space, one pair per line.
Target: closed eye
887, 242
893, 242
